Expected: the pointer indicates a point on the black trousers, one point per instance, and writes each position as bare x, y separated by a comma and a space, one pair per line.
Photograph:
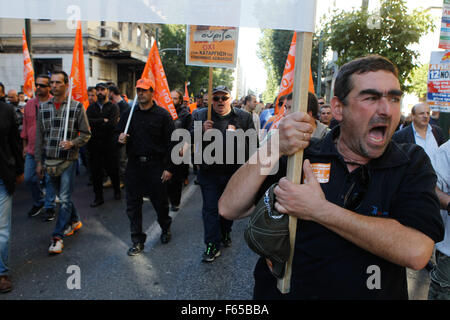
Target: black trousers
104, 157
175, 185
144, 179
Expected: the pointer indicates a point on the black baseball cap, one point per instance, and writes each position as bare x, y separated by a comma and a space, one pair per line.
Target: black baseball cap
221, 89
267, 233
101, 85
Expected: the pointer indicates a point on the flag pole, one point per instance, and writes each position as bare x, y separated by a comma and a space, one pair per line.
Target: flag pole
294, 168
131, 113
69, 100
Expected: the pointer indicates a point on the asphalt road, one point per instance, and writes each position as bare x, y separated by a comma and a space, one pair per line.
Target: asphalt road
173, 271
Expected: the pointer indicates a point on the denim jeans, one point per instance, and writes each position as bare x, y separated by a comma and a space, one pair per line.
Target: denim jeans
212, 186
5, 227
33, 183
440, 278
63, 186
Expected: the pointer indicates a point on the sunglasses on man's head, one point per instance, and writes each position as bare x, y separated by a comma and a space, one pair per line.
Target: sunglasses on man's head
223, 98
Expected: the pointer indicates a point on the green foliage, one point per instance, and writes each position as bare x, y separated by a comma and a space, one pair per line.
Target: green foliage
177, 72
273, 50
419, 77
355, 34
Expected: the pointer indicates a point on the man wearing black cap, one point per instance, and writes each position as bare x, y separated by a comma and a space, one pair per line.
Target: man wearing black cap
103, 150
148, 145
214, 177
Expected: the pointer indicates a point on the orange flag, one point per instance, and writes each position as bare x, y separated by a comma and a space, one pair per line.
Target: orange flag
287, 81
155, 72
186, 93
78, 74
28, 72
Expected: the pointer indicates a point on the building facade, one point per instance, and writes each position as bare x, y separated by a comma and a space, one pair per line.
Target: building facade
113, 51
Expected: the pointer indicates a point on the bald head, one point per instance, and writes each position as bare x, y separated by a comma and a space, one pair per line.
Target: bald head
13, 97
421, 115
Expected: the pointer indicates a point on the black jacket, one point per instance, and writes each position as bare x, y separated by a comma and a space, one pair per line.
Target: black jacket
102, 132
406, 135
11, 159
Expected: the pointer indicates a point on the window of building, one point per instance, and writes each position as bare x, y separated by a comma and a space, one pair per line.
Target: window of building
138, 34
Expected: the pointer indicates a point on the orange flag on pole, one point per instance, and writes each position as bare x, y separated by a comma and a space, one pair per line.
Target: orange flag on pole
287, 81
28, 72
155, 72
78, 74
186, 93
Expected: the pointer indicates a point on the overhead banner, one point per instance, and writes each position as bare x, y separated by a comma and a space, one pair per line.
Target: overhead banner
210, 46
298, 15
438, 95
444, 39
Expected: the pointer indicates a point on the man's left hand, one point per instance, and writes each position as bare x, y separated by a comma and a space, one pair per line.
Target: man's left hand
66, 145
300, 200
166, 176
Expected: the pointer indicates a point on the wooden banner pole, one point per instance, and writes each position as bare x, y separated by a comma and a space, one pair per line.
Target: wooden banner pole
210, 91
303, 50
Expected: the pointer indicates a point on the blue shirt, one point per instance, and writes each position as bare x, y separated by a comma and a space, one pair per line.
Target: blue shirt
429, 144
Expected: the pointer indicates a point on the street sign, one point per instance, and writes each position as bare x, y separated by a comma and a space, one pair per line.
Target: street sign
438, 93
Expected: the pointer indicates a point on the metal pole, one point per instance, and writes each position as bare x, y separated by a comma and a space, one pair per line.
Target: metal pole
28, 36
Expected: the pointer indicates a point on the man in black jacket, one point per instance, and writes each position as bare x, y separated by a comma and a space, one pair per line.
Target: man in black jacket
148, 145
421, 132
213, 175
103, 150
11, 168
184, 121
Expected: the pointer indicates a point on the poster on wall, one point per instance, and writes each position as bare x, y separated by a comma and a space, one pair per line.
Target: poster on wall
438, 93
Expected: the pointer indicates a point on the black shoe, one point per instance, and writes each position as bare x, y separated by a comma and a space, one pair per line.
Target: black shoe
174, 208
211, 253
35, 210
97, 202
165, 236
117, 195
226, 239
49, 215
136, 249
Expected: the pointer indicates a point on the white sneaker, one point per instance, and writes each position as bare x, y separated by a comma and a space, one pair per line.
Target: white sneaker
56, 246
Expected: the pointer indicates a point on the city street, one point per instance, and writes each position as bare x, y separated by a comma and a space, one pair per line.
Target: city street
99, 250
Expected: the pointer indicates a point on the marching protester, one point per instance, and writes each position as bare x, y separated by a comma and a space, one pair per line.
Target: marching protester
103, 150
149, 166
28, 135
325, 114
214, 177
181, 171
440, 274
11, 170
319, 129
250, 106
58, 154
375, 207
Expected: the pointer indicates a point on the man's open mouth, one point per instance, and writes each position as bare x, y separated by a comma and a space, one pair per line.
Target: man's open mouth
378, 134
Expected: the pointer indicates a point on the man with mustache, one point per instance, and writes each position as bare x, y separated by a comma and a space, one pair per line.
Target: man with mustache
103, 150
367, 208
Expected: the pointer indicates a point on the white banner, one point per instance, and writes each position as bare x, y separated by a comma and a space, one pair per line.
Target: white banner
298, 15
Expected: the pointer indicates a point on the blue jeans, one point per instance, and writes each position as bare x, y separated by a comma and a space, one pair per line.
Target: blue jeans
63, 186
34, 184
440, 278
5, 227
212, 186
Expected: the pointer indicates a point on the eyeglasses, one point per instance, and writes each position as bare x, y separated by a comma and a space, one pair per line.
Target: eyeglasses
353, 198
223, 98
40, 85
